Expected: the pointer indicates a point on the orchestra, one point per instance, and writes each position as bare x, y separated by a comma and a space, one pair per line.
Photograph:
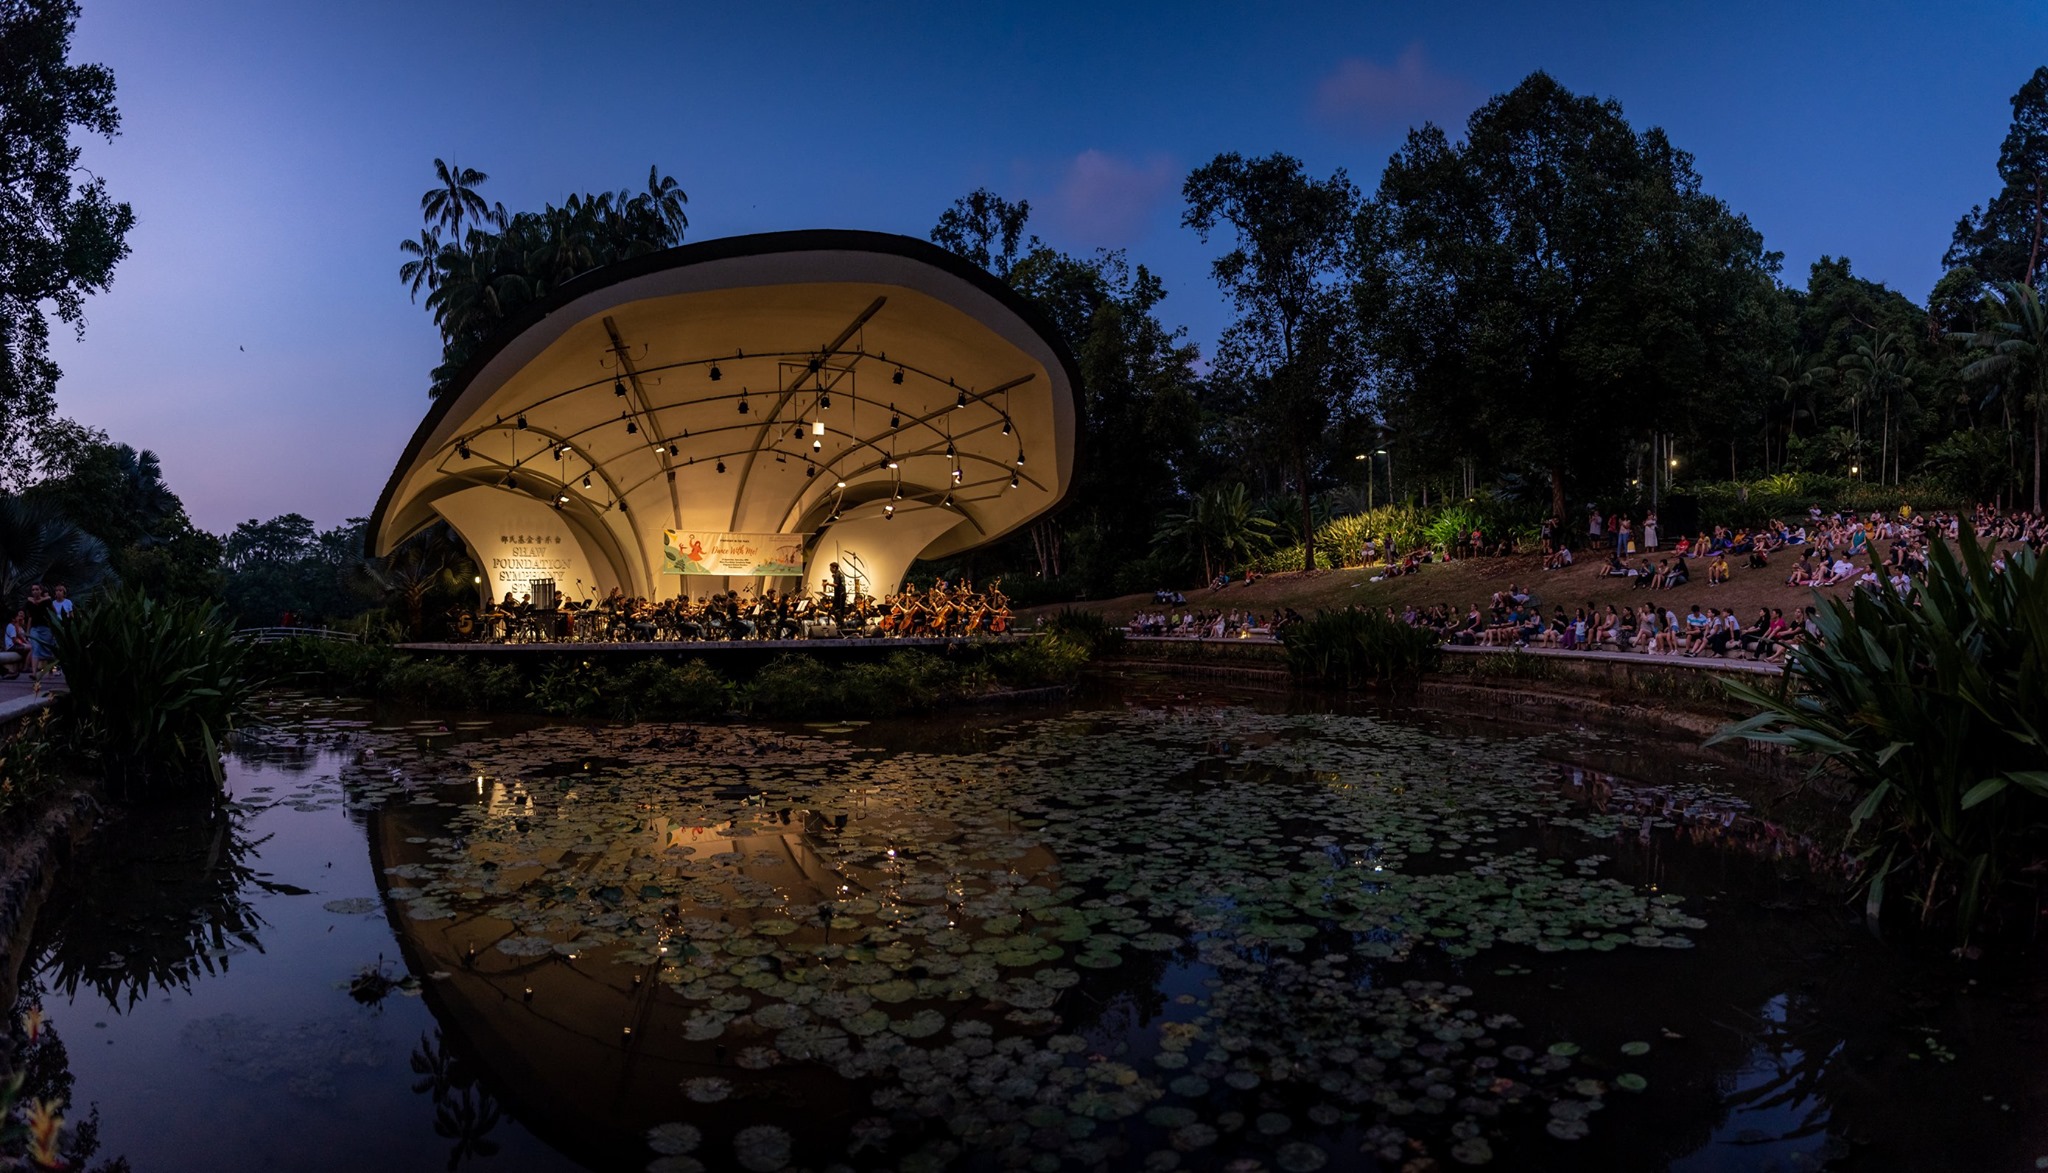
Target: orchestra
940, 611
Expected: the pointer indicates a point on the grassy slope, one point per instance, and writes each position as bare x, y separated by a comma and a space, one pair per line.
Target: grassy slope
1474, 581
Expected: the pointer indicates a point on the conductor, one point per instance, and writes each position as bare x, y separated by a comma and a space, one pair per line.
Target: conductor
838, 595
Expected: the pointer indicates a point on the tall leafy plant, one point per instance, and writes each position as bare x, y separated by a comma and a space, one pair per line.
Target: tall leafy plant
1934, 705
155, 685
1357, 646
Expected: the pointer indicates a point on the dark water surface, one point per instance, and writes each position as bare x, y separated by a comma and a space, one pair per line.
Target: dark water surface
1149, 932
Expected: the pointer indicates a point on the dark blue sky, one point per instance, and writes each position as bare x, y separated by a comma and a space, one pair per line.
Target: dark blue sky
275, 153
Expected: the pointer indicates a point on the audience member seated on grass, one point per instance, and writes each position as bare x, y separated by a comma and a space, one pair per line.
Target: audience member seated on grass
1718, 572
1559, 559
1616, 568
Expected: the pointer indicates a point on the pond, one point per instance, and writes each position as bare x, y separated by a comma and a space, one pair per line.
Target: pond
1141, 932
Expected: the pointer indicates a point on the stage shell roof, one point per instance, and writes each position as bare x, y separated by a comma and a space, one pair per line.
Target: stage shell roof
871, 395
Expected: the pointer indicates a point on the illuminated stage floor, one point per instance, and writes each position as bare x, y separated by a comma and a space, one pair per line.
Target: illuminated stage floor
711, 647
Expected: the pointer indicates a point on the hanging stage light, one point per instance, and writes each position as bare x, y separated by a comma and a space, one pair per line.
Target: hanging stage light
961, 401
949, 449
1006, 425
743, 401
632, 429
522, 421
1013, 480
956, 476
947, 503
721, 466
897, 378
817, 427
675, 449
462, 450
561, 499
622, 506
834, 517
619, 388
888, 513
899, 492
817, 445
716, 374
824, 400
1020, 458
810, 470
895, 421
511, 482
892, 460
586, 480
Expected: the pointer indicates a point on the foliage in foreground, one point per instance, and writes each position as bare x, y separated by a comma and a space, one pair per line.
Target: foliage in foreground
1935, 706
154, 686
1358, 645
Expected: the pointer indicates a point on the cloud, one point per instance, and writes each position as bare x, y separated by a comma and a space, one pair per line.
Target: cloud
1102, 199
1366, 97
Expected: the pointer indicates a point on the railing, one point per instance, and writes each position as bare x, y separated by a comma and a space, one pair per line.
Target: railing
271, 635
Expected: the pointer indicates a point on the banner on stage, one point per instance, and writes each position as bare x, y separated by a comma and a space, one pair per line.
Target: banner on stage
732, 555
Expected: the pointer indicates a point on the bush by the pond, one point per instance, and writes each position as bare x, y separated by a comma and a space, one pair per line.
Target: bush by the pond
155, 686
1092, 630
1935, 706
795, 686
1357, 645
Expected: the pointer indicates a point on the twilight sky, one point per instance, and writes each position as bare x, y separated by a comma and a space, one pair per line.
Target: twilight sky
259, 340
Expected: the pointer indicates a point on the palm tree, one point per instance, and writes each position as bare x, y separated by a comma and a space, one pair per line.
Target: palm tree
1221, 524
434, 559
2016, 339
38, 544
422, 270
1880, 367
1798, 378
455, 198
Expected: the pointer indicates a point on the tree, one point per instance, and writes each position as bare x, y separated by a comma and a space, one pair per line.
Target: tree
60, 237
1137, 382
286, 564
1558, 283
1880, 368
2015, 359
985, 228
38, 544
1219, 525
490, 264
1290, 346
2002, 240
431, 561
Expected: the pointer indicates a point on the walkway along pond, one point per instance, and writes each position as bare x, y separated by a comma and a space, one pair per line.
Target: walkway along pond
1143, 931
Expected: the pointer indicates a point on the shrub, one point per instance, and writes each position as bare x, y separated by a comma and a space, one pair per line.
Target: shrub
1090, 629
791, 686
155, 686
669, 692
1344, 649
572, 688
28, 770
1036, 663
1931, 704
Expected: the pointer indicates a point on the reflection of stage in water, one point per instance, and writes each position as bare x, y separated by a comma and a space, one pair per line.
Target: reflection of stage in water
591, 1049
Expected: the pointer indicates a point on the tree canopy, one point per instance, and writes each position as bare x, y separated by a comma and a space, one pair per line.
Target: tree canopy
61, 233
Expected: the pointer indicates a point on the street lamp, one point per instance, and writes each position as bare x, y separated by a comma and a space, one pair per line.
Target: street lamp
1855, 470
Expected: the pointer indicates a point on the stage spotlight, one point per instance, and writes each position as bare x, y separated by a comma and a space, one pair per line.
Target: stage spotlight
897, 378
721, 466
586, 480
522, 421
716, 374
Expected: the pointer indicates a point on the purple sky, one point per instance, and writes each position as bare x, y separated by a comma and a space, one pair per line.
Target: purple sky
275, 155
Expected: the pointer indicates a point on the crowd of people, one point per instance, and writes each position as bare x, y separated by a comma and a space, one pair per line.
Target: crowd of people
1825, 548
943, 610
30, 638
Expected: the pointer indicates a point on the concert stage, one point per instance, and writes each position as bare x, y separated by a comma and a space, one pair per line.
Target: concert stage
713, 649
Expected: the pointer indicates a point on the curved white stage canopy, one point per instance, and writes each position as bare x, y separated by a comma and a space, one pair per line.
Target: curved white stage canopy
727, 414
